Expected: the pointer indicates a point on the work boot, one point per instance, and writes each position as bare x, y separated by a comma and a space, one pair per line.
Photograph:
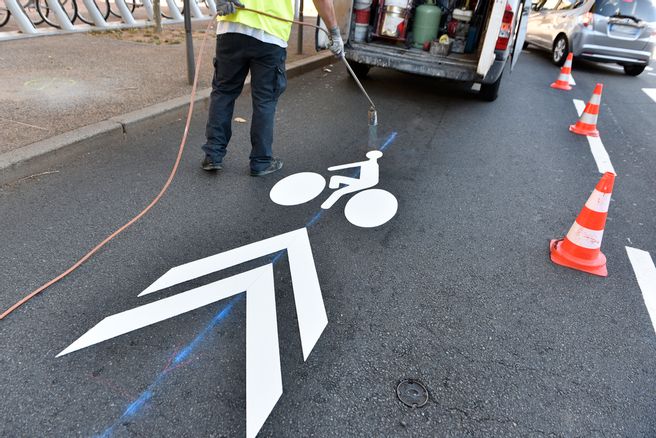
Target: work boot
209, 165
275, 165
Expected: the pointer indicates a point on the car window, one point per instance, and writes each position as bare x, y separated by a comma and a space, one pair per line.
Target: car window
640, 9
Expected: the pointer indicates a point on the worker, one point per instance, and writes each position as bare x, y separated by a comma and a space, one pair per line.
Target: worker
249, 42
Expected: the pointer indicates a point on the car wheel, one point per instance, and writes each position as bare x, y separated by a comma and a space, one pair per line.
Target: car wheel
560, 50
634, 70
490, 92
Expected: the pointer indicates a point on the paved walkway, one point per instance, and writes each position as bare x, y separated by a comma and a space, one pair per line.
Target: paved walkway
54, 84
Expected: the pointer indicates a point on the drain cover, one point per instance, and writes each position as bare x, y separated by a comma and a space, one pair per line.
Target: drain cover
412, 393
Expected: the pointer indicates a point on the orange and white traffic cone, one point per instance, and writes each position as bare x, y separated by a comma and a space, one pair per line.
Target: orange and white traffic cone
587, 124
581, 248
565, 77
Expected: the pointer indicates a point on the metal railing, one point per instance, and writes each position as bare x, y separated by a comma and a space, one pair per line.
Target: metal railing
32, 16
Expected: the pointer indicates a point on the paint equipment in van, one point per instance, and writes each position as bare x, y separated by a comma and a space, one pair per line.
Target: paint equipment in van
427, 23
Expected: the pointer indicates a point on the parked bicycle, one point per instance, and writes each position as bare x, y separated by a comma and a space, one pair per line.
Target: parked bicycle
4, 14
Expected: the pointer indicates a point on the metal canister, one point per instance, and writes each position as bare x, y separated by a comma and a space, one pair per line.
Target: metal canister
393, 16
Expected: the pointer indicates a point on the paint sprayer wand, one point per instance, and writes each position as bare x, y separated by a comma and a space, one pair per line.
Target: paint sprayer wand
372, 114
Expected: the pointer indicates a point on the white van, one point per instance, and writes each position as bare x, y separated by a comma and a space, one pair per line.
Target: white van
496, 33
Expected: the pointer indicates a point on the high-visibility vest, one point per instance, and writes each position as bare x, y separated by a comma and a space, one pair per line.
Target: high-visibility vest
279, 8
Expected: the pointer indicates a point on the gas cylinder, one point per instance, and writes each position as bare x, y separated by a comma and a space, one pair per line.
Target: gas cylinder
427, 22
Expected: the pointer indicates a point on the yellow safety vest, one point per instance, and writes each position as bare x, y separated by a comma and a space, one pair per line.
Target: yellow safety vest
279, 8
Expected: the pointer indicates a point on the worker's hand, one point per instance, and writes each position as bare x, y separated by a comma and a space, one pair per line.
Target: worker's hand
227, 7
336, 44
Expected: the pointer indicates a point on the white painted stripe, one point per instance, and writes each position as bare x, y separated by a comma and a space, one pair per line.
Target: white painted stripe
651, 74
649, 68
651, 92
596, 146
645, 273
598, 201
585, 237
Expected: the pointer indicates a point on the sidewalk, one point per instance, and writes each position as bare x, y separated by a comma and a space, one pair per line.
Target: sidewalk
55, 84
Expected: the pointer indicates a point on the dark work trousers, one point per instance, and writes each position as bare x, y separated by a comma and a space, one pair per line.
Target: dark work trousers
236, 55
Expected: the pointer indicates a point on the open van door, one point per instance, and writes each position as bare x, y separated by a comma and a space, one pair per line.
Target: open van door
343, 11
491, 36
520, 32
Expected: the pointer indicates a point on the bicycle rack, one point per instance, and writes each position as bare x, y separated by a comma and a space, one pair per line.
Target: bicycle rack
27, 28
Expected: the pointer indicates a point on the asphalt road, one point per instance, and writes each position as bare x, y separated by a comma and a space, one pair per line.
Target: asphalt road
457, 290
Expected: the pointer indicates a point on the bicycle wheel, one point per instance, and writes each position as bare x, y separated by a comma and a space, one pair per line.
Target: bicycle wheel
69, 6
4, 15
31, 10
131, 4
101, 5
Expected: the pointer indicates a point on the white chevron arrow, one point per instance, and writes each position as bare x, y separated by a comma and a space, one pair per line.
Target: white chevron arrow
263, 374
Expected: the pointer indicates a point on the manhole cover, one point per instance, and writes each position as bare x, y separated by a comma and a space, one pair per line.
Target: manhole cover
412, 393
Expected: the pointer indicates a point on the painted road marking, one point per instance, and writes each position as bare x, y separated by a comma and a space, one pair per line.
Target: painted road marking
651, 92
651, 74
645, 272
596, 146
649, 68
183, 355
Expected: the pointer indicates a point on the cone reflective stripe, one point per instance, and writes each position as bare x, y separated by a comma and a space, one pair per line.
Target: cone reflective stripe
587, 124
581, 248
565, 77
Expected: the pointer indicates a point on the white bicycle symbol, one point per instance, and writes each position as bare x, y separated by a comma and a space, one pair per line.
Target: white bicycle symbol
369, 208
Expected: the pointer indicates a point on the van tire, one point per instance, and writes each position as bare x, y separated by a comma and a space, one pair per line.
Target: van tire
490, 92
360, 70
560, 50
634, 70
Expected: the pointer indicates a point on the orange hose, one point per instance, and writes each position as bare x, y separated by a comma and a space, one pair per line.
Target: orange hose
88, 255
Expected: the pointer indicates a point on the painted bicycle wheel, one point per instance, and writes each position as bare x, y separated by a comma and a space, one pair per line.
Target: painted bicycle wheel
297, 189
371, 208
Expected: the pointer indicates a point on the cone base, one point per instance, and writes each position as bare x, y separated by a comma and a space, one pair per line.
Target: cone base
558, 86
588, 132
559, 257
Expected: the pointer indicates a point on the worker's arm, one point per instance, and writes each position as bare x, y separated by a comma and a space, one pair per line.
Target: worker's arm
326, 11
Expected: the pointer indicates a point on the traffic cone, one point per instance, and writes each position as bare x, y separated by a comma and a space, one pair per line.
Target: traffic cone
565, 78
587, 124
581, 248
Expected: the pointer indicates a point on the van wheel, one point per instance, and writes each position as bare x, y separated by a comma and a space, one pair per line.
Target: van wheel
490, 92
634, 70
560, 50
360, 70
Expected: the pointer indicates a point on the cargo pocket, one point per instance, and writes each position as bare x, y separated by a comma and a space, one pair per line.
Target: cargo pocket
280, 84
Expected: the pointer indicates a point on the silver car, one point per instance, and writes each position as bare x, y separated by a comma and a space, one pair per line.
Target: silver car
619, 31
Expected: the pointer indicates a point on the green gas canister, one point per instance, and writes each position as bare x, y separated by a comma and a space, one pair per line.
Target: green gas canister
427, 22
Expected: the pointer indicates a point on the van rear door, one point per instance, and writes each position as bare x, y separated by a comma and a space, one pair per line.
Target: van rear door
491, 35
343, 11
524, 9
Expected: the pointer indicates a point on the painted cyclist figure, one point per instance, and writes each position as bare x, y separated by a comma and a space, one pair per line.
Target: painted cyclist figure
249, 42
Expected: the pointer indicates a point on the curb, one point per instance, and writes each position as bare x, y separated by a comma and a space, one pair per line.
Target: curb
42, 155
